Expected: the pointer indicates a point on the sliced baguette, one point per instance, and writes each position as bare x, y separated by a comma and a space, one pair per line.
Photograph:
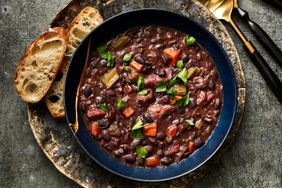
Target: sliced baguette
54, 98
81, 25
39, 65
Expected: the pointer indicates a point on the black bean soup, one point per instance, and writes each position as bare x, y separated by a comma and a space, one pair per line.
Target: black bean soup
151, 96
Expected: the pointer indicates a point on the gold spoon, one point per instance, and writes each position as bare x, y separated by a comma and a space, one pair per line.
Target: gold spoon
75, 125
222, 10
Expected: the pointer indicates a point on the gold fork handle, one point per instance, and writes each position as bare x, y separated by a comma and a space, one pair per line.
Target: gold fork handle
244, 39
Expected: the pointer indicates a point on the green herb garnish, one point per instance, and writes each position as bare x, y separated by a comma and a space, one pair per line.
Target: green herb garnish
137, 125
103, 107
183, 75
171, 93
184, 101
111, 61
136, 131
127, 80
120, 104
189, 40
126, 57
126, 68
173, 81
141, 151
179, 64
102, 50
137, 134
140, 83
161, 87
190, 121
143, 92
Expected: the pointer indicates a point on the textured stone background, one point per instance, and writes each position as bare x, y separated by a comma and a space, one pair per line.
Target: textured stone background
254, 160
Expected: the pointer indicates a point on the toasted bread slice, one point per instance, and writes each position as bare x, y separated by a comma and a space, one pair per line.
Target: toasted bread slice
39, 65
54, 98
81, 25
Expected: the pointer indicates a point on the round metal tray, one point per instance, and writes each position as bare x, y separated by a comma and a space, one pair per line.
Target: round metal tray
55, 138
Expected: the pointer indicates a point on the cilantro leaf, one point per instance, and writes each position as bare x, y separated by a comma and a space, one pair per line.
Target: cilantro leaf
140, 83
189, 40
143, 92
190, 121
161, 87
102, 50
126, 57
136, 131
137, 134
126, 68
141, 151
103, 107
171, 93
137, 125
111, 60
179, 64
173, 81
183, 75
184, 101
120, 104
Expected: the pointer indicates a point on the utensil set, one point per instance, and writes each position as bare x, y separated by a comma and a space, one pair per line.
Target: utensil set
222, 9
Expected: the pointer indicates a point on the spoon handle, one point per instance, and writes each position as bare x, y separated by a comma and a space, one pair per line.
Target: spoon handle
262, 36
267, 73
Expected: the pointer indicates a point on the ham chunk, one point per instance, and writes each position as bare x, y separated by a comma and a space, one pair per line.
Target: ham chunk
158, 111
172, 150
141, 99
95, 113
168, 72
152, 80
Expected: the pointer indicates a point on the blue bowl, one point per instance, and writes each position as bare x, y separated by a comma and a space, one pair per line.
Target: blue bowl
117, 25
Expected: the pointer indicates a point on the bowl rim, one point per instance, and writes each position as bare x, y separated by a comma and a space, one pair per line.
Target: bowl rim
234, 86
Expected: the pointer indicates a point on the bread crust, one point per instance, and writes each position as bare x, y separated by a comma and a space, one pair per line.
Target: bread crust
56, 90
79, 27
35, 97
88, 19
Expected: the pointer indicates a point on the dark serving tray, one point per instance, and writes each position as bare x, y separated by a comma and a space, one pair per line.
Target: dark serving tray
55, 138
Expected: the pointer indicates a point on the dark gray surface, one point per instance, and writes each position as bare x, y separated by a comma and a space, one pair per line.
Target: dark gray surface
254, 160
